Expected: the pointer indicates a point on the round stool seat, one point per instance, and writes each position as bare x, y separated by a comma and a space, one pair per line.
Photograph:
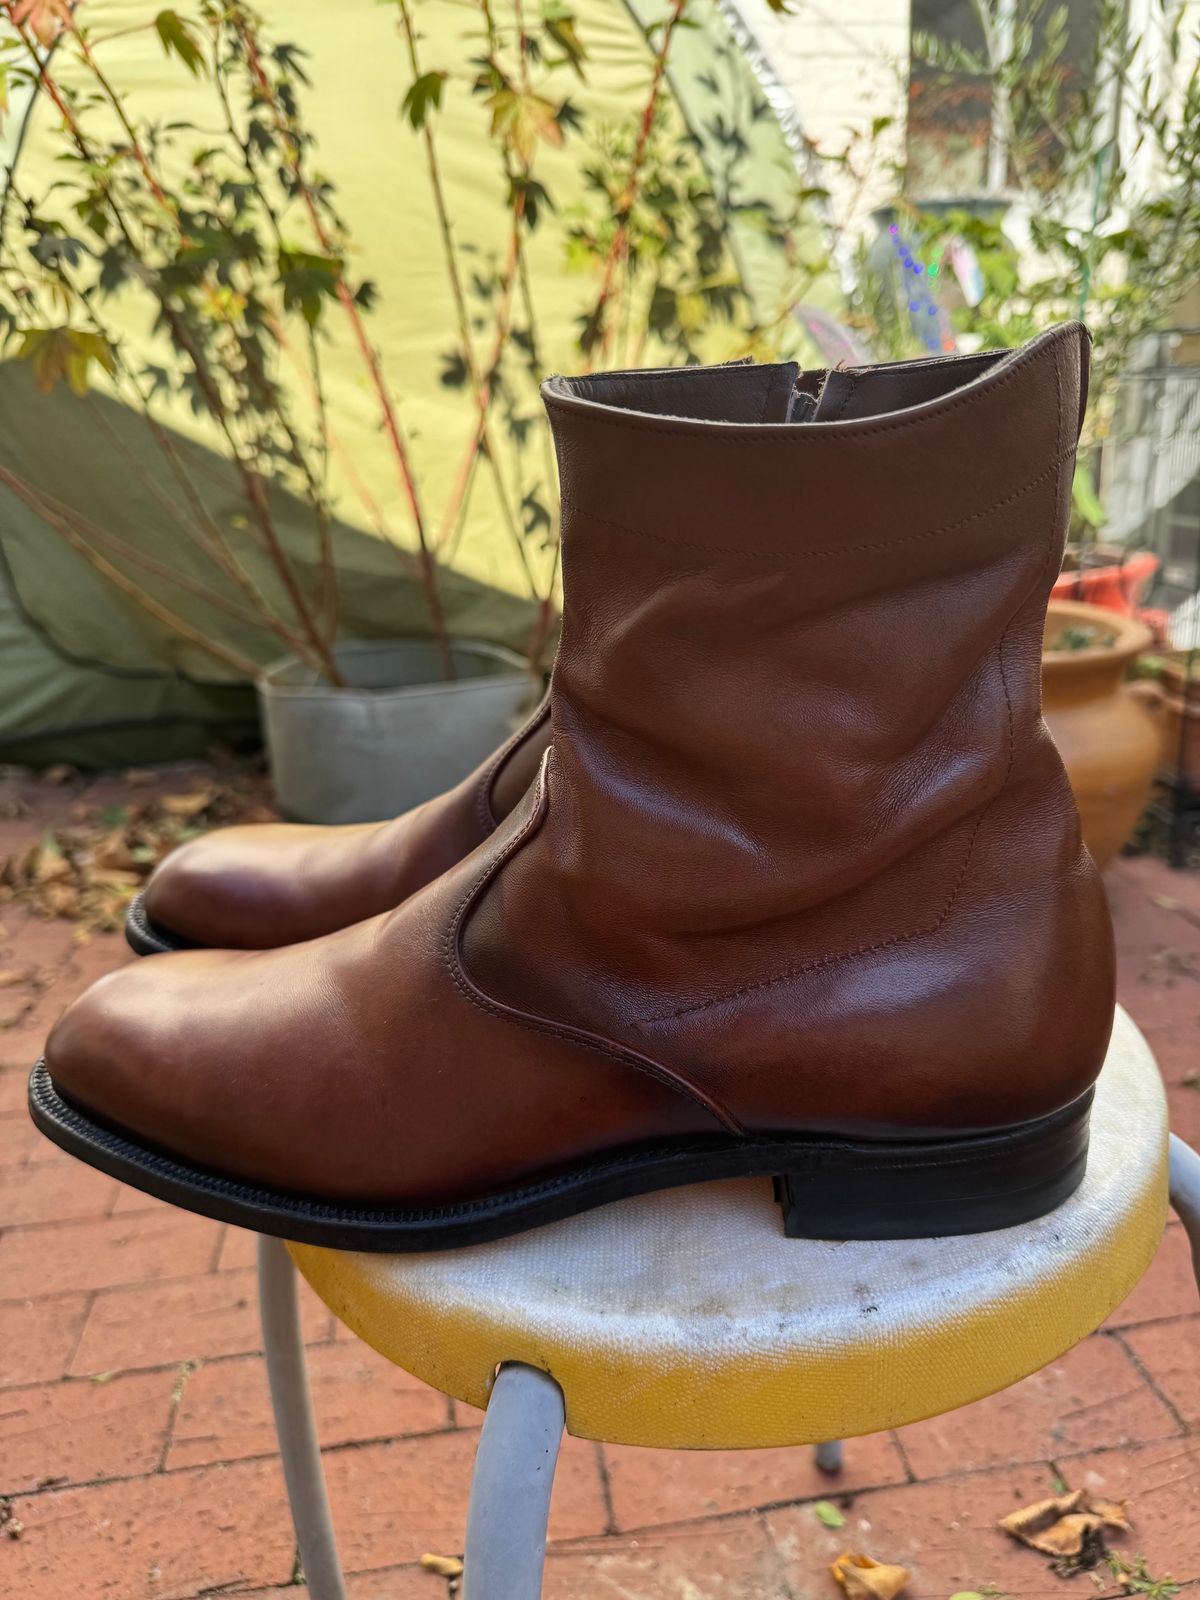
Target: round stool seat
687, 1319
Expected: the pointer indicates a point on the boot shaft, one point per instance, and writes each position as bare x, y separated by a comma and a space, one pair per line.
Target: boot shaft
802, 837
811, 649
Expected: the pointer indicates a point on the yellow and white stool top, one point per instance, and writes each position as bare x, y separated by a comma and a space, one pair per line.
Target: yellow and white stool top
687, 1319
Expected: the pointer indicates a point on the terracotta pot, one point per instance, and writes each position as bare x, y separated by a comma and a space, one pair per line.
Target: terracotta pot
1109, 733
1181, 723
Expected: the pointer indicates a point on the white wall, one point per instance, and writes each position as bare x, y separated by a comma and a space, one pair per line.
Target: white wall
844, 64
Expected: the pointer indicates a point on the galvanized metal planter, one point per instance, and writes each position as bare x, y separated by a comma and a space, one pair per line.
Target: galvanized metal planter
397, 736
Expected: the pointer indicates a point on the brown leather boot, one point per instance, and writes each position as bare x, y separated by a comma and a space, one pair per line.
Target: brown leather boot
799, 890
255, 887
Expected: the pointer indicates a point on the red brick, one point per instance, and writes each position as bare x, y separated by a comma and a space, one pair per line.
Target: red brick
1162, 1485
38, 1336
225, 1412
732, 1559
239, 1248
14, 1088
393, 1502
19, 1140
1152, 904
1183, 1103
158, 1538
1170, 1353
466, 1416
1168, 1288
129, 1200
395, 1583
192, 1319
1164, 994
652, 1486
79, 1430
1093, 1397
945, 1533
53, 1194
99, 1255
1175, 1051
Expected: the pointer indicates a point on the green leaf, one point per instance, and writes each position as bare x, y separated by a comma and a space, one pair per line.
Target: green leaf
424, 96
57, 353
828, 1514
307, 281
521, 118
180, 38
1084, 497
561, 26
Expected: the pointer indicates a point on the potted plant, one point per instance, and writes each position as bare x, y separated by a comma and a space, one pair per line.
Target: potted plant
243, 264
222, 226
1108, 731
1172, 683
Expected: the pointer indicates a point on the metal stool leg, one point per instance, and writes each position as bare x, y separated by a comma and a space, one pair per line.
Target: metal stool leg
510, 1490
829, 1456
295, 1425
1185, 1193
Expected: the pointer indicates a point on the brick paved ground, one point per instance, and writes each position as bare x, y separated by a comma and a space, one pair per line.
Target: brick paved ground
137, 1454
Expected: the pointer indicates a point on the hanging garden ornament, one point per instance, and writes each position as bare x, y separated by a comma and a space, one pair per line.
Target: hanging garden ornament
928, 321
967, 270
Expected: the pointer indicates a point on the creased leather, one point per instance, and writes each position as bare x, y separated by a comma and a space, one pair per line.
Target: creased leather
807, 838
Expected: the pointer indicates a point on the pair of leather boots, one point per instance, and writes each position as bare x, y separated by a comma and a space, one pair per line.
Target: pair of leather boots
784, 880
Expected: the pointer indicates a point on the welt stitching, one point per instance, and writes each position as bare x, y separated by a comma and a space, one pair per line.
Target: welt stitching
815, 555
662, 1076
786, 435
841, 955
927, 932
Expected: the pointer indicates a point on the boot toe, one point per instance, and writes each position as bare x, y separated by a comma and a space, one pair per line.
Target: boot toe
125, 1051
230, 889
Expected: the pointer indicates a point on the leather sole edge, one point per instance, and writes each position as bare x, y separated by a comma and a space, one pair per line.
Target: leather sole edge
827, 1188
146, 938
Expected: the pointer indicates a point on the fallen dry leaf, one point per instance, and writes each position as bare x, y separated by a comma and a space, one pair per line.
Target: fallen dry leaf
1070, 1526
88, 872
188, 805
444, 1566
10, 977
865, 1579
113, 852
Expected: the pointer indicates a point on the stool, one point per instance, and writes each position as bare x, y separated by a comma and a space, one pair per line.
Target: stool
686, 1319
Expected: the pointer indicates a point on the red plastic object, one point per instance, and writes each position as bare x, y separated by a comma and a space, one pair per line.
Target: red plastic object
1118, 586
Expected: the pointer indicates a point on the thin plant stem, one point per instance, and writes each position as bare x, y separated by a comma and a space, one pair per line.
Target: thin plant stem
391, 422
619, 243
177, 624
463, 321
483, 396
260, 612
252, 483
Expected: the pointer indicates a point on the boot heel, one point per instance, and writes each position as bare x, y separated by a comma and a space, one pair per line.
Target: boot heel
930, 1188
